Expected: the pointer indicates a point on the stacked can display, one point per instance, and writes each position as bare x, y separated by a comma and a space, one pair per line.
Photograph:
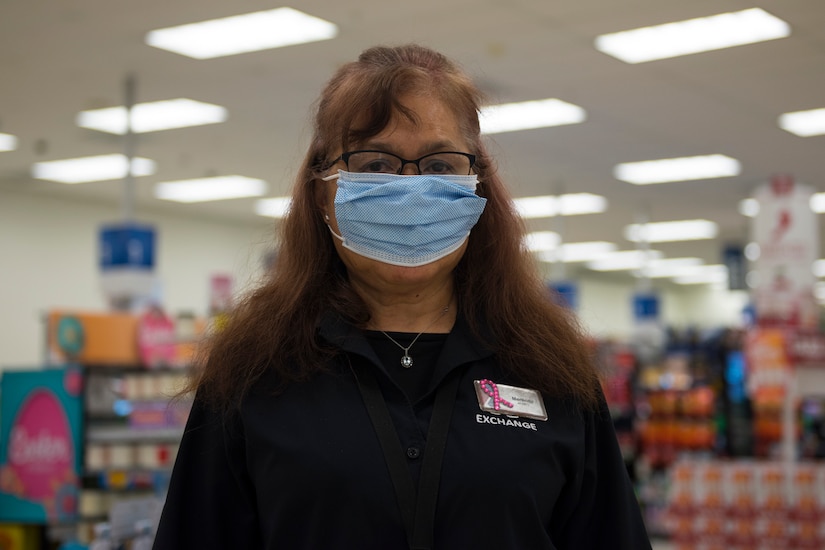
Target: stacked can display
747, 504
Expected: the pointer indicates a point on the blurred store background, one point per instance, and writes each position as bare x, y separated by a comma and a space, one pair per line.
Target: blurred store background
672, 196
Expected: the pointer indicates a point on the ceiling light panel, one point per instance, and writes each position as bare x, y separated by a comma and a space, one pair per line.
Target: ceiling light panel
275, 207
624, 260
571, 204
578, 252
818, 268
677, 169
245, 33
528, 115
538, 241
703, 274
210, 189
817, 203
97, 168
8, 142
804, 123
661, 232
153, 116
702, 34
670, 267
750, 207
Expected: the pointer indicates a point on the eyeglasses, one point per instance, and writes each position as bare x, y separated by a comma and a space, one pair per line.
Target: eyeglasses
381, 162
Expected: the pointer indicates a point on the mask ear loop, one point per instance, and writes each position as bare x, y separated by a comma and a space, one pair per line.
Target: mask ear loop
326, 216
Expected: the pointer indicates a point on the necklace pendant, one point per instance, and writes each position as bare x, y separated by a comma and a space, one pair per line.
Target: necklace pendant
406, 361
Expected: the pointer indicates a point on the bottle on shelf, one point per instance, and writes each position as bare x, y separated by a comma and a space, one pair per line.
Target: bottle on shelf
103, 537
144, 538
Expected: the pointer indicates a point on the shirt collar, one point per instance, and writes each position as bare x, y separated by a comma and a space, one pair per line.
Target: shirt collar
460, 347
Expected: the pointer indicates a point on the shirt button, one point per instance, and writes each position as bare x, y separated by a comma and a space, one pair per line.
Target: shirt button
413, 452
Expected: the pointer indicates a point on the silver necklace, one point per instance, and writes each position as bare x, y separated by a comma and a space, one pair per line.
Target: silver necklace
406, 360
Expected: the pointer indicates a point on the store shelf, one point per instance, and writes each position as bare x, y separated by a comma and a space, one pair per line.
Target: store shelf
128, 479
127, 434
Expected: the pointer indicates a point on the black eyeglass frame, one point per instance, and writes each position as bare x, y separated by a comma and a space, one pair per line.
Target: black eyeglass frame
345, 157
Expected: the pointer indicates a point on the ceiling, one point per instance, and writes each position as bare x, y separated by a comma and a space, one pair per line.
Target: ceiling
58, 58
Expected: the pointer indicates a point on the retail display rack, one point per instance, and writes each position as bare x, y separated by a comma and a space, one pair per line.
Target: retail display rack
129, 372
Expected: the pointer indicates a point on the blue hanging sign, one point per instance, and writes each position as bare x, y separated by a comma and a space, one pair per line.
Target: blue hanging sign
645, 307
128, 245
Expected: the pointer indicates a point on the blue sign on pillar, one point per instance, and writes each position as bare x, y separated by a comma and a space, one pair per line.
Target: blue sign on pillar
128, 246
645, 307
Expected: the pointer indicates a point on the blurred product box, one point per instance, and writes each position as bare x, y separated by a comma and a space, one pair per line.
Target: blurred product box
41, 416
107, 339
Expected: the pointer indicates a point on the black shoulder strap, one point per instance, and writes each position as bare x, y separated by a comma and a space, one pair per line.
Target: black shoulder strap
431, 467
390, 444
417, 512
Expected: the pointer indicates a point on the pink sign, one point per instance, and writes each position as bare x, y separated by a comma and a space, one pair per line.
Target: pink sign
156, 339
786, 230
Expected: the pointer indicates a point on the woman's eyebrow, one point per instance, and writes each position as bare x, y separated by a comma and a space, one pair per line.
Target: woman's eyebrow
433, 147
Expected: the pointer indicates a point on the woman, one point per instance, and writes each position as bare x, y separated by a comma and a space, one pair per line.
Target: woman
402, 380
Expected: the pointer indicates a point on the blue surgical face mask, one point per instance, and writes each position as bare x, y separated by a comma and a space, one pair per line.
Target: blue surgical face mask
405, 220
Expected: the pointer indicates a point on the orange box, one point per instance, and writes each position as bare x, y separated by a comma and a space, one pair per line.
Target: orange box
94, 338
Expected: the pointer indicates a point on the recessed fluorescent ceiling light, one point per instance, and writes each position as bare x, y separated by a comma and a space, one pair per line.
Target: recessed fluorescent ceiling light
817, 203
275, 207
542, 240
804, 123
703, 274
819, 268
702, 34
527, 115
8, 142
677, 169
210, 189
564, 205
750, 207
752, 251
624, 260
85, 169
660, 232
670, 267
250, 32
153, 116
577, 252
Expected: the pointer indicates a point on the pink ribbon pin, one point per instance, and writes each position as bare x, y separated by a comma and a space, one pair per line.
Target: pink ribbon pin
489, 387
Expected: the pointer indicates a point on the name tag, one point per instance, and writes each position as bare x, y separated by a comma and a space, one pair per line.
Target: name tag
509, 400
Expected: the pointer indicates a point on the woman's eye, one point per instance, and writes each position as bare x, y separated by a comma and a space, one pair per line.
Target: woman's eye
377, 166
437, 167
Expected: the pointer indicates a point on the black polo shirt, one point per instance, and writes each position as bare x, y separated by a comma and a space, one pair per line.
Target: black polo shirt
305, 470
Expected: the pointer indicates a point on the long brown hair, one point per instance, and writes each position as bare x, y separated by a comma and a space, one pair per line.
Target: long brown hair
497, 283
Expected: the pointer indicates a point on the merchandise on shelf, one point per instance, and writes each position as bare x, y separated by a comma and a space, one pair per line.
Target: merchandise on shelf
747, 504
19, 537
134, 368
150, 339
40, 445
